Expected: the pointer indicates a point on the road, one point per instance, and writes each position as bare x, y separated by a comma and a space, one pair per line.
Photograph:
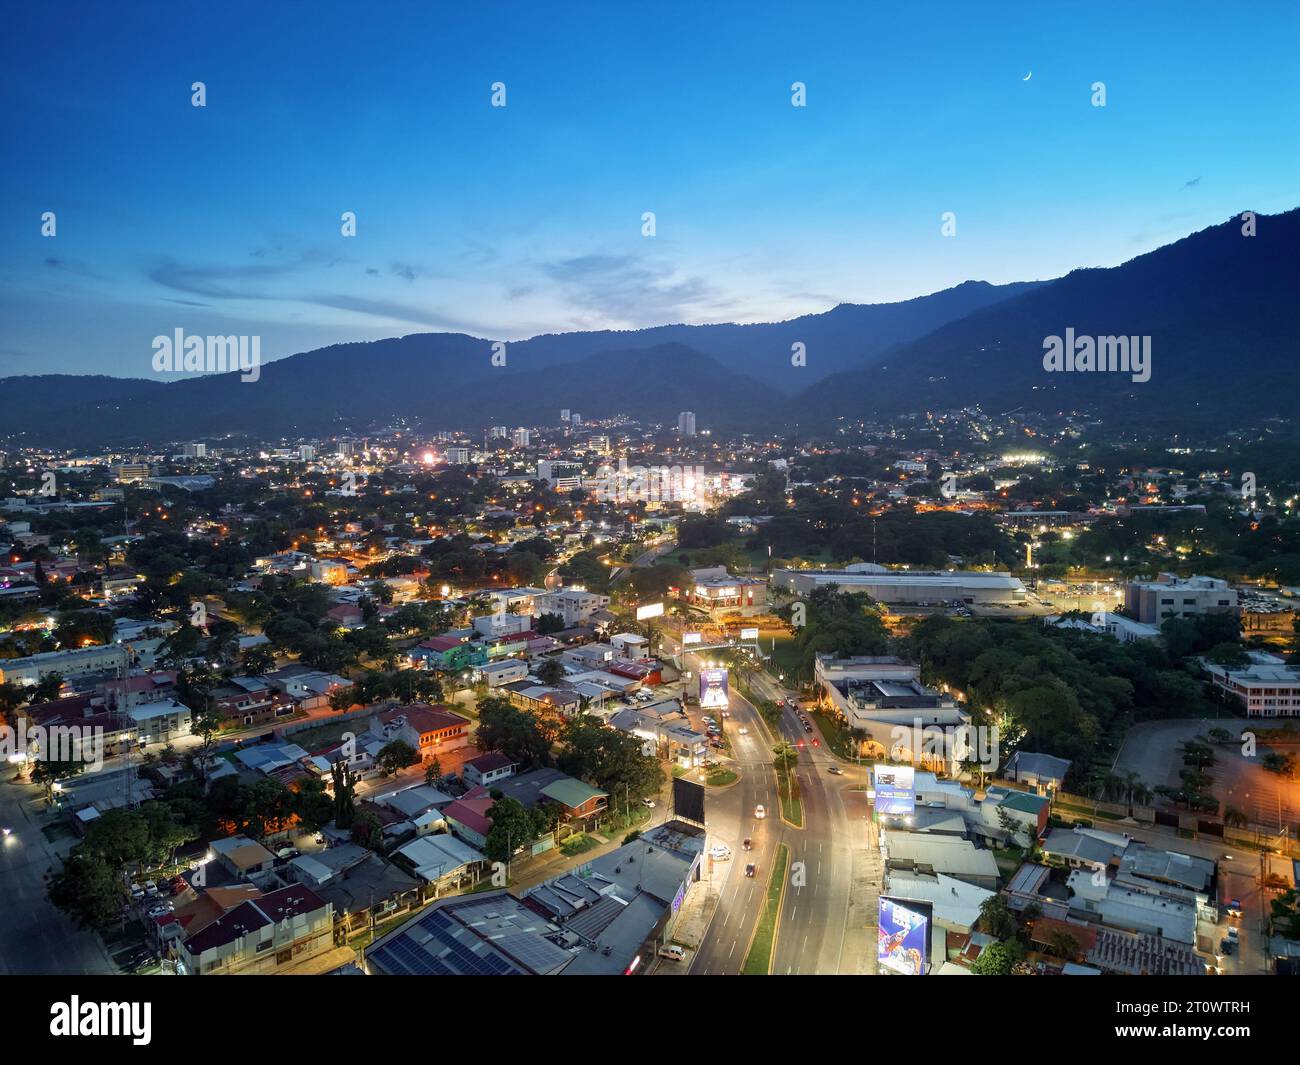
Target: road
35, 937
813, 930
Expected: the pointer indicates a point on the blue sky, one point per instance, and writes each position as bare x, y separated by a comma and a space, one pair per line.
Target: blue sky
506, 222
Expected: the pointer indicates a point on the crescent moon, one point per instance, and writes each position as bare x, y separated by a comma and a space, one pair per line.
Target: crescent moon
1028, 76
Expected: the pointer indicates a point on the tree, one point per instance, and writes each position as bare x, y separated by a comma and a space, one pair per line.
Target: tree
513, 827
433, 771
89, 890
609, 760
551, 671
997, 919
344, 781
1062, 944
504, 727
997, 959
313, 804
396, 756
368, 831
48, 771
1285, 911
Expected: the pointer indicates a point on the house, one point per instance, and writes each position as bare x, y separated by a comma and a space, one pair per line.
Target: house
245, 858
488, 768
251, 701
431, 730
468, 818
495, 674
442, 860
161, 721
579, 799
1042, 772
264, 935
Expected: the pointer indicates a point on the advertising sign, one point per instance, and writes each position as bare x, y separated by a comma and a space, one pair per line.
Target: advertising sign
903, 936
895, 789
749, 634
713, 689
689, 638
650, 610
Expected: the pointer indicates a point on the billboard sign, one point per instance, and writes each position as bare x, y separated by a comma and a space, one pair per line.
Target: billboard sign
902, 936
689, 638
749, 634
650, 610
713, 689
895, 789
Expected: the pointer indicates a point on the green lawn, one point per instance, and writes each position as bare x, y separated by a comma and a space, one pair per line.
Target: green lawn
791, 807
758, 959
720, 778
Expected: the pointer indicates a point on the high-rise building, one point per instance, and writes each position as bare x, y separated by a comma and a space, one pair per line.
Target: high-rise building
306, 453
686, 423
499, 432
521, 438
196, 451
457, 456
133, 471
562, 476
599, 444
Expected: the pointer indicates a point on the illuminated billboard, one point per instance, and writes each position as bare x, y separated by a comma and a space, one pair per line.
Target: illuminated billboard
650, 610
713, 689
749, 634
689, 638
902, 936
895, 789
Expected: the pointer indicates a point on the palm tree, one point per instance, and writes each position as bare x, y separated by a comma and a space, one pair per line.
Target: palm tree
1234, 816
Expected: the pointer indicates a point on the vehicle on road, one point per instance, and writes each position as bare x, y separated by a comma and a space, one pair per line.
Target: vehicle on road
1226, 947
6, 831
751, 869
1234, 908
747, 843
672, 952
807, 727
759, 812
649, 804
1232, 934
835, 770
720, 852
743, 731
287, 852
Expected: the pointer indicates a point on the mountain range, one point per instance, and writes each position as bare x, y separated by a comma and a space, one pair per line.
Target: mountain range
1219, 309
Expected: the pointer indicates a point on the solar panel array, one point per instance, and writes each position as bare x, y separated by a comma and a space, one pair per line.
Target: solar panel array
444, 954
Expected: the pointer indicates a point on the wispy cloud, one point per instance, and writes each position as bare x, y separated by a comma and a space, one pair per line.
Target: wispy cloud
631, 290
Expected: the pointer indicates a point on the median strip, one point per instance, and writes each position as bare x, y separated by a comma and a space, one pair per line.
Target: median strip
762, 947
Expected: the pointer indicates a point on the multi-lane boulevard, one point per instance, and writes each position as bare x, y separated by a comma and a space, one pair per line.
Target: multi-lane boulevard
831, 856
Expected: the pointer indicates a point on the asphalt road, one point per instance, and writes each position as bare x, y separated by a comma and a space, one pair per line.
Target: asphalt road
35, 937
813, 922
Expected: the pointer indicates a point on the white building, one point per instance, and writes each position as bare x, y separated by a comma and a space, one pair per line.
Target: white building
1268, 687
906, 586
1169, 596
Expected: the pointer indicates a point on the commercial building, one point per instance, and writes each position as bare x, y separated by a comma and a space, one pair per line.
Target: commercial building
1268, 687
79, 662
1169, 596
907, 586
902, 718
263, 935
686, 423
717, 591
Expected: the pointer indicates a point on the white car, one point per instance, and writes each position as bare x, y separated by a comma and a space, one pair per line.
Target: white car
743, 731
759, 812
1232, 934
649, 804
720, 852
161, 909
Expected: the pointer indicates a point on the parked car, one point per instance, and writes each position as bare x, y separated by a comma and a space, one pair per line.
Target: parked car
672, 952
1232, 934
287, 852
1234, 908
807, 727
178, 884
1225, 947
161, 909
649, 804
720, 852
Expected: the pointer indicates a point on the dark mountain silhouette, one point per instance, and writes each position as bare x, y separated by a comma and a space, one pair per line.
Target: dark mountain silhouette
1221, 310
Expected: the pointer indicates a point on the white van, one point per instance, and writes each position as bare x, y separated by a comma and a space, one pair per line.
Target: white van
673, 952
